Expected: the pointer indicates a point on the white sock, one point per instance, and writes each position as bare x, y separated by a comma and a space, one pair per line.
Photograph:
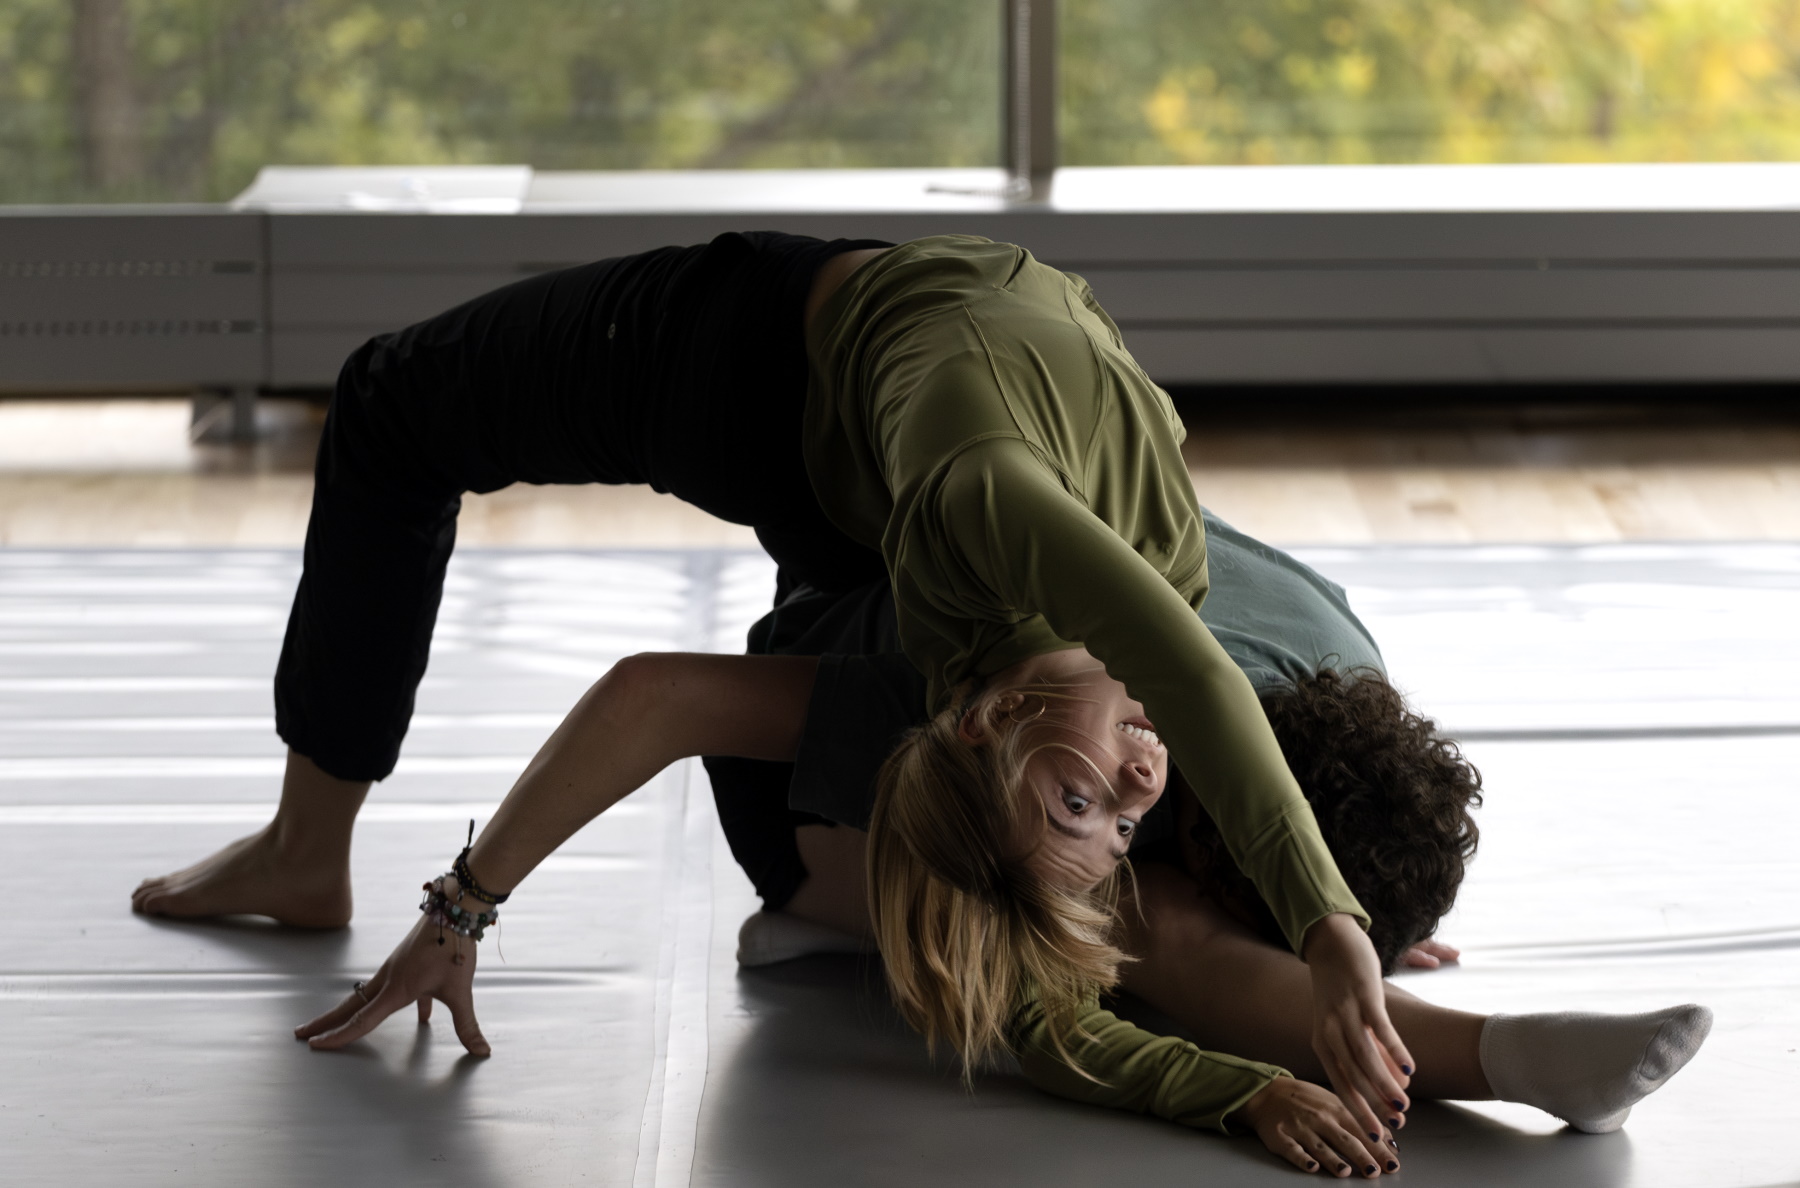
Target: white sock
770, 937
1589, 1069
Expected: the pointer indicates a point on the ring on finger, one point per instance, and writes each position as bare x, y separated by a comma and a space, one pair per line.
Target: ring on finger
360, 991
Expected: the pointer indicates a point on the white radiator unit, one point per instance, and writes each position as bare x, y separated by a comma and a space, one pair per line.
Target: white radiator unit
132, 297
1251, 275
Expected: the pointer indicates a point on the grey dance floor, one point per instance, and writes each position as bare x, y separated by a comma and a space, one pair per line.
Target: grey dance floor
1633, 708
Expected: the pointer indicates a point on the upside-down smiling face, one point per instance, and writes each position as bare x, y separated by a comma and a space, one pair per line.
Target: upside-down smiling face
1098, 766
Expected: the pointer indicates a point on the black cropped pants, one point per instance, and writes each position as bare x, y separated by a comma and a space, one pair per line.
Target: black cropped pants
683, 368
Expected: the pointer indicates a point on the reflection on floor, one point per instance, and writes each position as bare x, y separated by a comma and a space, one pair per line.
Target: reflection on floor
1624, 865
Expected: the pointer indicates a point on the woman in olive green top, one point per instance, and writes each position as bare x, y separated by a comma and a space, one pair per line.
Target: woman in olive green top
974, 416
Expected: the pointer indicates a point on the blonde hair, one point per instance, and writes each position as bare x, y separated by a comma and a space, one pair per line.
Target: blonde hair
966, 929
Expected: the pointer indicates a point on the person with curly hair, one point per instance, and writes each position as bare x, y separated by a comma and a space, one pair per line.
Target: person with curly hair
1393, 797
1385, 786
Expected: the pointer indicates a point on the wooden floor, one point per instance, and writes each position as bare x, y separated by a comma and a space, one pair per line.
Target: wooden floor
1558, 474
123, 472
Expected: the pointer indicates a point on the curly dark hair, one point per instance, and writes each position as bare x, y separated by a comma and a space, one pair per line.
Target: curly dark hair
1392, 797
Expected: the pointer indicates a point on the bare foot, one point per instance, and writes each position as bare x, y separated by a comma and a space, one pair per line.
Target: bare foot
251, 876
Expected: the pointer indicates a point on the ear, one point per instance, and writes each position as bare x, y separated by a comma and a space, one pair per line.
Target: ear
972, 730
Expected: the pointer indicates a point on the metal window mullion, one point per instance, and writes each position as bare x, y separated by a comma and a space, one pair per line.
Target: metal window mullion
1029, 112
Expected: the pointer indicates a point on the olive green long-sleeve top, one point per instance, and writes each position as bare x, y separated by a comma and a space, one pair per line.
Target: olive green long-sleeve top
1137, 1070
974, 415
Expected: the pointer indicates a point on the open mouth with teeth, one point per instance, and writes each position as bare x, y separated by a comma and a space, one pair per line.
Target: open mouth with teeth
1142, 733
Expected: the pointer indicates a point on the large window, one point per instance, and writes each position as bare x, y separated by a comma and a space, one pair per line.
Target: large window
168, 100
160, 100
1325, 81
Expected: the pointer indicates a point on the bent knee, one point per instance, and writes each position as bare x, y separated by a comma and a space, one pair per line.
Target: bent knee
642, 681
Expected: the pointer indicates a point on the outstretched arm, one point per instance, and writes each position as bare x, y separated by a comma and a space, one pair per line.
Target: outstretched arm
648, 712
644, 714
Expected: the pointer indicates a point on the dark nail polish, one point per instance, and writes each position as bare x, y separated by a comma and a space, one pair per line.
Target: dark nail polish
1392, 1166
1369, 1170
1398, 1104
1374, 1136
1311, 1165
1407, 1069
1393, 1144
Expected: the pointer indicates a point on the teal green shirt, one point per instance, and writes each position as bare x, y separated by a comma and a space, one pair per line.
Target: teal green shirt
1278, 619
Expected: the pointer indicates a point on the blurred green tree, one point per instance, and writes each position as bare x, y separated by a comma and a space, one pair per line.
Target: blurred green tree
1304, 81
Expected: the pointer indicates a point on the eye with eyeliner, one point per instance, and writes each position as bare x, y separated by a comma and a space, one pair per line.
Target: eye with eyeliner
1076, 805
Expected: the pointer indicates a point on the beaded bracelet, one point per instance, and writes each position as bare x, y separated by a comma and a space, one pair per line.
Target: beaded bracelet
446, 915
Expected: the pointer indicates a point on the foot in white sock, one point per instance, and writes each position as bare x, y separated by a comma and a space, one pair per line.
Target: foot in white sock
1589, 1069
770, 937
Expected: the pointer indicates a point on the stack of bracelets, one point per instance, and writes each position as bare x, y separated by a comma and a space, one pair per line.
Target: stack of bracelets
439, 909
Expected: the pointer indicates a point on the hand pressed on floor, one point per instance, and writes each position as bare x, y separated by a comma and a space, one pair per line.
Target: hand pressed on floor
419, 970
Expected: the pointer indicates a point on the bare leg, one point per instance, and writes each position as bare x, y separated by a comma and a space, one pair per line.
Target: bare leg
1237, 993
296, 869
